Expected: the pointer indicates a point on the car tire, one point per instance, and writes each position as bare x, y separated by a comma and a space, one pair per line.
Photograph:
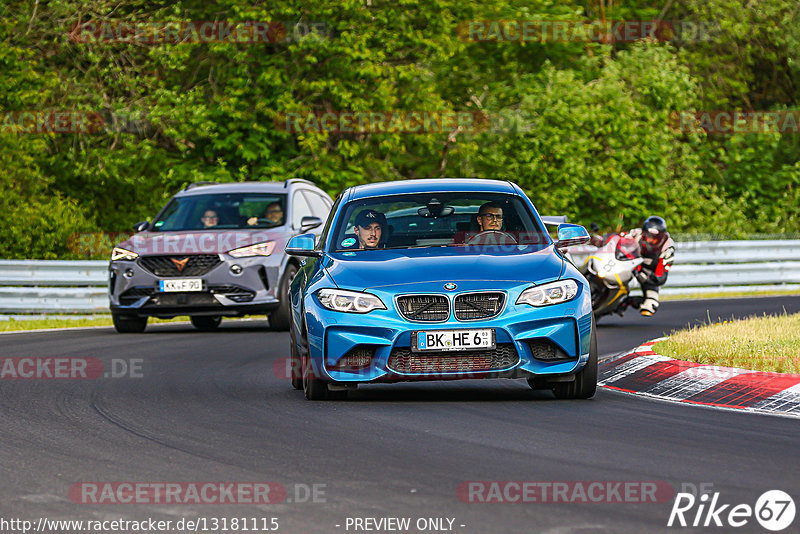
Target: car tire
296, 363
206, 323
128, 324
313, 387
585, 383
279, 319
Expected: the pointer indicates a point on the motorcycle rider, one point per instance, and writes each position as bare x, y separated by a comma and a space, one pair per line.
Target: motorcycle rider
658, 252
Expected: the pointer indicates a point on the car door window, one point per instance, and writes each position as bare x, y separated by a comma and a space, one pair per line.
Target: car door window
300, 209
319, 207
325, 231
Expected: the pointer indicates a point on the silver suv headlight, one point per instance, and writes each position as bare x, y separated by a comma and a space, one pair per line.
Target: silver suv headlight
259, 249
122, 254
547, 294
349, 301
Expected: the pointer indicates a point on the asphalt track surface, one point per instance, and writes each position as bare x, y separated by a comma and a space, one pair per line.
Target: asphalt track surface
209, 407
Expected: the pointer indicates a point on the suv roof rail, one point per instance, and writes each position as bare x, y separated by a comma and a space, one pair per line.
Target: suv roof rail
299, 180
198, 184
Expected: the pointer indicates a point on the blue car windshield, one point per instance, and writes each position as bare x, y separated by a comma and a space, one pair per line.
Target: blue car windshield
501, 221
231, 211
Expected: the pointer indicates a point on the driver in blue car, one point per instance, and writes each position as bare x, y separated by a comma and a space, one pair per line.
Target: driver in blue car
370, 226
490, 217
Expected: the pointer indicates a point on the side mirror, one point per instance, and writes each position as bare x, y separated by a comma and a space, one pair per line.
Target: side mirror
302, 245
309, 223
141, 226
571, 234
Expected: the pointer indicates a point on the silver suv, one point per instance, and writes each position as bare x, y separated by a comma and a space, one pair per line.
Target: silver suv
215, 250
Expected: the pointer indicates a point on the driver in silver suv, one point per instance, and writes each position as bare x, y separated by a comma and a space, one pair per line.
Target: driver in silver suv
215, 250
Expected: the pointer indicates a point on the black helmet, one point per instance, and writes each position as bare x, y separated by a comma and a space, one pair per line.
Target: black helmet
654, 233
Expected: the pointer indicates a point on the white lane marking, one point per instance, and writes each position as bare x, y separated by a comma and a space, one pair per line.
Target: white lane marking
693, 380
631, 366
657, 398
43, 498
787, 400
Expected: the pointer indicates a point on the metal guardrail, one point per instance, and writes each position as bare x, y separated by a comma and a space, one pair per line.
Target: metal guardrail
53, 273
49, 286
30, 286
727, 266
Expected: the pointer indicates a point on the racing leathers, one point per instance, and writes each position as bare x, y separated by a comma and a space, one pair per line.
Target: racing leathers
653, 271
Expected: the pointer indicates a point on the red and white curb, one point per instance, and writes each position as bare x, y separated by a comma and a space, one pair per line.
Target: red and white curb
645, 372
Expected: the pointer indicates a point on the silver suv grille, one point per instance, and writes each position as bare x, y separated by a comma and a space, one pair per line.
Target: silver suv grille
180, 265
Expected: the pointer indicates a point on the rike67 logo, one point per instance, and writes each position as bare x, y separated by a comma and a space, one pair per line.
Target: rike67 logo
774, 510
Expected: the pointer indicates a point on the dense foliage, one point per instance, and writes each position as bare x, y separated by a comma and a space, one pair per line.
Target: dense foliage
585, 127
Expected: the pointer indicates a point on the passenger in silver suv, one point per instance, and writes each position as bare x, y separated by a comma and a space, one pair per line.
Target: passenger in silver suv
215, 250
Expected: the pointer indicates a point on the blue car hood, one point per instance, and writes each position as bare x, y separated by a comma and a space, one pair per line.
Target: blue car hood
383, 268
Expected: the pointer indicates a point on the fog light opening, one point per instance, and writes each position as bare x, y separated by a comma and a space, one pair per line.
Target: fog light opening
546, 351
356, 359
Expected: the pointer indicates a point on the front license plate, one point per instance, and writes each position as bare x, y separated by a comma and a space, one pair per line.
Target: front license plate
471, 339
186, 284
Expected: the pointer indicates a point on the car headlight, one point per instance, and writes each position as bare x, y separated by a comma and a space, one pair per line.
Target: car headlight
547, 294
259, 249
349, 301
122, 254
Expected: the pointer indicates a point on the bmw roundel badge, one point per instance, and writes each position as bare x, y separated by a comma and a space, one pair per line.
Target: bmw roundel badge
450, 286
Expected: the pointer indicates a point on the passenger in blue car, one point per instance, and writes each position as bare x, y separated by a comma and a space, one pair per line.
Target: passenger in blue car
370, 227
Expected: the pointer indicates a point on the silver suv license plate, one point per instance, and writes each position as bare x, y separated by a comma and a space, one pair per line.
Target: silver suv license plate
184, 284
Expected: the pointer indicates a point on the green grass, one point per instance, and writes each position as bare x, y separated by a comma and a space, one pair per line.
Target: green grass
13, 325
768, 343
733, 294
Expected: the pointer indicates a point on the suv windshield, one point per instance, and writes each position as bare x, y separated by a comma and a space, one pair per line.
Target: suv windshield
222, 212
438, 220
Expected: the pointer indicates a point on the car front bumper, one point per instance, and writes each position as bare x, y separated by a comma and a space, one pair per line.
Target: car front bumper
521, 334
134, 290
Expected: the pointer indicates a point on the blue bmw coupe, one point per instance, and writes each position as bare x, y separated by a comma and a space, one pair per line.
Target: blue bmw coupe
439, 279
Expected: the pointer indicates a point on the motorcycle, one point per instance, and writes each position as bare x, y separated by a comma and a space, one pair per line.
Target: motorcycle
610, 270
